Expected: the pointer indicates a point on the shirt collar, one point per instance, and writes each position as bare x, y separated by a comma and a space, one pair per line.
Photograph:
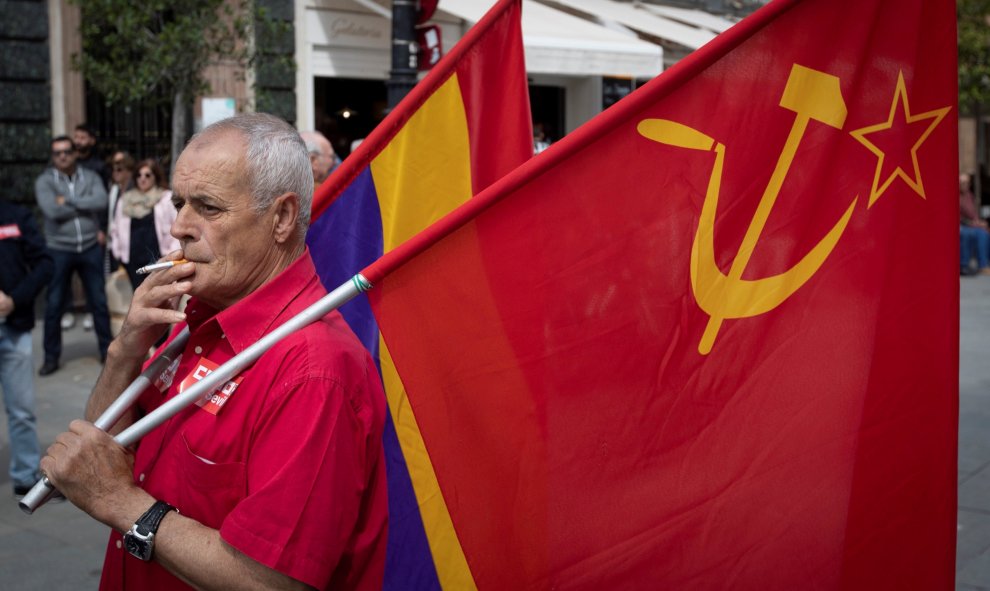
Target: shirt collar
244, 323
68, 177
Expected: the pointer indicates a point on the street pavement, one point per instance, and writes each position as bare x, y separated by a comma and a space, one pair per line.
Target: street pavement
973, 522
60, 548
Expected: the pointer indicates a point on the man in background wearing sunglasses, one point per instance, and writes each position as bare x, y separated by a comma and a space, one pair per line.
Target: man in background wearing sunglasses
73, 201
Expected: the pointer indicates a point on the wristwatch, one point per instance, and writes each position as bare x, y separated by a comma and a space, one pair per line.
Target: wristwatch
140, 540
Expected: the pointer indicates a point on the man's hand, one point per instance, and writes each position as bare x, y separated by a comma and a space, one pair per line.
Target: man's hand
153, 308
101, 238
6, 305
91, 469
60, 200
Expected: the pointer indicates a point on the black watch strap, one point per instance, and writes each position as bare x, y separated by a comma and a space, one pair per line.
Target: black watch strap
152, 518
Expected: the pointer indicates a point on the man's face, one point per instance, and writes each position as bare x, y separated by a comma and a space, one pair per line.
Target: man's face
64, 156
322, 163
217, 225
83, 140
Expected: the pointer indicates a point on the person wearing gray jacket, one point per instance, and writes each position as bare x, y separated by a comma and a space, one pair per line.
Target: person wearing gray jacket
73, 201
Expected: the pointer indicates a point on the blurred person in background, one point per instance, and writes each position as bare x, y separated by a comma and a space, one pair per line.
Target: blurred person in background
122, 175
74, 203
25, 268
89, 157
974, 238
321, 155
140, 230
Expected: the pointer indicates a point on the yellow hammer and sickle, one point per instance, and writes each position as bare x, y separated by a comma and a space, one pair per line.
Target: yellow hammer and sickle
810, 94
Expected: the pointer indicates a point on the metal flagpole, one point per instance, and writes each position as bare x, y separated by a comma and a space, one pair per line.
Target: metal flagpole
127, 398
43, 491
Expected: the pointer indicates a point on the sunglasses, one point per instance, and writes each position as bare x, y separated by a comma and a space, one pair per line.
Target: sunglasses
62, 152
145, 175
119, 167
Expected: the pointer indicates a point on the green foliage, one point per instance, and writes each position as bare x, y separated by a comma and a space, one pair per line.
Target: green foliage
132, 49
974, 51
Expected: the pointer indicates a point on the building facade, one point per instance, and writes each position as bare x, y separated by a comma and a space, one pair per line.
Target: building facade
322, 64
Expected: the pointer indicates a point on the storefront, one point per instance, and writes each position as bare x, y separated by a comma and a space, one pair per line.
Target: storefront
576, 67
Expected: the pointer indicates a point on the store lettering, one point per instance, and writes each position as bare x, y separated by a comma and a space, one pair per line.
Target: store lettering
344, 27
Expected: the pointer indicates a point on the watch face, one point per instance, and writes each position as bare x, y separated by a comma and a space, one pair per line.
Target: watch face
137, 547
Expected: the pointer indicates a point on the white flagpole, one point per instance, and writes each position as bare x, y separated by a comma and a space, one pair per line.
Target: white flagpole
43, 491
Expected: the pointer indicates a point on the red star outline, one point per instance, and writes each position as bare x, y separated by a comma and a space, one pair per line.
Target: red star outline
916, 184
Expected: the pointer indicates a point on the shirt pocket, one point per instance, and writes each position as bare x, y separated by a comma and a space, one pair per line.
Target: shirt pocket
208, 491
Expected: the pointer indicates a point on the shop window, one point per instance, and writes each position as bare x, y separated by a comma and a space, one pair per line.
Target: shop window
347, 109
547, 106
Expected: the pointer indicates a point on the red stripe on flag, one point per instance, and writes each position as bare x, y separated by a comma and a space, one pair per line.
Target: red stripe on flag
492, 153
501, 15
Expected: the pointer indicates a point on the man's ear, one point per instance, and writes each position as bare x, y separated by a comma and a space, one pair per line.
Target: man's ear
286, 208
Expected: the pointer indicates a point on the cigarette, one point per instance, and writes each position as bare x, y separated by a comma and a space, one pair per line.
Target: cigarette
159, 266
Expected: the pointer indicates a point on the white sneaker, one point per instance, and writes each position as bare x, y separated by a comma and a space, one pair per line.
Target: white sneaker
68, 321
88, 322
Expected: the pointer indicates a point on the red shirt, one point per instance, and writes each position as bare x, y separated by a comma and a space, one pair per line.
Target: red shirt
290, 469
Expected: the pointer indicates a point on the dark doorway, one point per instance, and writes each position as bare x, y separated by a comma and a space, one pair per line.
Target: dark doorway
347, 109
547, 105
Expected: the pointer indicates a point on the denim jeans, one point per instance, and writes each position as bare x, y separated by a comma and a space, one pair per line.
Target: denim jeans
17, 381
974, 242
89, 265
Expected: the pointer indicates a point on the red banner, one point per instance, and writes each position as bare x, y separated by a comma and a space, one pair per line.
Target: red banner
709, 340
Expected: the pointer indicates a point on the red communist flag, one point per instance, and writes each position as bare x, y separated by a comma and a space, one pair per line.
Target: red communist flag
709, 340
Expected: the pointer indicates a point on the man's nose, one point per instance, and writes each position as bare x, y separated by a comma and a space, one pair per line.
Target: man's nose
183, 228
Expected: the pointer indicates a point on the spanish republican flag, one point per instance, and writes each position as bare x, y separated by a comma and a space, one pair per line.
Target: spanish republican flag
463, 126
709, 340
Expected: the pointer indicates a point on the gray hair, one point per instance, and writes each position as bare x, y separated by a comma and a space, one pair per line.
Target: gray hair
277, 160
312, 147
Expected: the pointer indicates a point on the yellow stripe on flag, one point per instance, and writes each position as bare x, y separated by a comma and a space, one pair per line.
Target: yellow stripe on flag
413, 193
451, 565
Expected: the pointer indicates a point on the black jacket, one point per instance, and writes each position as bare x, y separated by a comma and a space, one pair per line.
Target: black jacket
25, 265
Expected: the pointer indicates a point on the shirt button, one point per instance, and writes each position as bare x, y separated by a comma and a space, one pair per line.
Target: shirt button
118, 544
141, 478
198, 350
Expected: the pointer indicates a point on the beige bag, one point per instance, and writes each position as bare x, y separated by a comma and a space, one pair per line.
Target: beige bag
119, 294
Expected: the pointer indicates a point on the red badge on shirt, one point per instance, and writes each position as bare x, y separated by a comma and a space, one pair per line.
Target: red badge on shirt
10, 231
214, 401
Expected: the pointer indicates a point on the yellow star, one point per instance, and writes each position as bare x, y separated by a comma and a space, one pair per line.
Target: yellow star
896, 128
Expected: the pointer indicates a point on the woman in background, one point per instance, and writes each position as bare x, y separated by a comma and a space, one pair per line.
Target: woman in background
122, 180
140, 234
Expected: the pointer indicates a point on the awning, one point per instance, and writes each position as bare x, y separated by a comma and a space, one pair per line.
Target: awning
642, 21
559, 43
690, 16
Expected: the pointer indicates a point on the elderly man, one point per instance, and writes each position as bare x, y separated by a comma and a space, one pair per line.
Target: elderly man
322, 158
278, 481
